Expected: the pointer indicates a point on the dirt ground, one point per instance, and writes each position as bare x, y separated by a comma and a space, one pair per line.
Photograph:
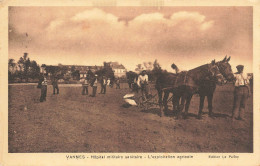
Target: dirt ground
71, 122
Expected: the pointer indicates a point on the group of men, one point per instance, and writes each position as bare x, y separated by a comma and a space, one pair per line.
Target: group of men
93, 83
241, 90
85, 81
42, 84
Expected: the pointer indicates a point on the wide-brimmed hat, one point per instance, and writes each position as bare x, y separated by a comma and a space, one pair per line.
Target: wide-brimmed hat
240, 66
96, 75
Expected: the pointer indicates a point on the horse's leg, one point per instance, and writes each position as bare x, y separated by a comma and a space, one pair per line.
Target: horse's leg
160, 102
165, 99
179, 106
187, 105
175, 102
202, 98
210, 107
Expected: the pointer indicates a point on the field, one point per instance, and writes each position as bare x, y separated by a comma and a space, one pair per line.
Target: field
71, 122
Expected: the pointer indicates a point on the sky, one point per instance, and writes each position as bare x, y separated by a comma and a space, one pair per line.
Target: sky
186, 36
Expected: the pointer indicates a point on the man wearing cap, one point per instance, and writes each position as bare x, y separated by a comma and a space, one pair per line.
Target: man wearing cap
142, 82
94, 85
241, 93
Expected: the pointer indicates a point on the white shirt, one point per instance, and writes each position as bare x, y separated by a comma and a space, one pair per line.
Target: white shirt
241, 79
108, 82
44, 82
142, 79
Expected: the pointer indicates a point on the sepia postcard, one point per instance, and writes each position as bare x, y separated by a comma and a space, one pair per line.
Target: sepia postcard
134, 82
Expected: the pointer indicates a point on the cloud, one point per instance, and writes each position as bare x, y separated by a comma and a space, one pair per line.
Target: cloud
137, 33
94, 29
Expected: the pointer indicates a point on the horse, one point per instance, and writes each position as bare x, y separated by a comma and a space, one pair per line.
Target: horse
207, 88
167, 83
132, 81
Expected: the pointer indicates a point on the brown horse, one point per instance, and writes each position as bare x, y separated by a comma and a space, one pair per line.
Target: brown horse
167, 83
207, 88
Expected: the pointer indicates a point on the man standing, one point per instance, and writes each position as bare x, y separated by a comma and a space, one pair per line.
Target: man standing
241, 93
94, 85
43, 82
117, 83
84, 82
142, 82
103, 85
55, 85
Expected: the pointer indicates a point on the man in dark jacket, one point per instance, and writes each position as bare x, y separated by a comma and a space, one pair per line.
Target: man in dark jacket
55, 85
103, 85
94, 83
43, 85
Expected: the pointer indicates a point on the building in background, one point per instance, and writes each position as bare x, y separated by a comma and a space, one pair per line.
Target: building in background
70, 69
118, 69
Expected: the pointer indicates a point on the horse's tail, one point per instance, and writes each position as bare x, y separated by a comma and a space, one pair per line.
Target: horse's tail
174, 67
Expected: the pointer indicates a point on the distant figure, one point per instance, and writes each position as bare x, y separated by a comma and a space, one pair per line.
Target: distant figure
241, 93
103, 85
55, 85
142, 82
43, 86
84, 82
94, 86
117, 83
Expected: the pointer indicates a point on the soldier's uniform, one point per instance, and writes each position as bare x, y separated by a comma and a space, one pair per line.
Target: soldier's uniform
241, 93
43, 90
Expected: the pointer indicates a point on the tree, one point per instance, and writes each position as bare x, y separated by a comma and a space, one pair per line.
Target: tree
34, 70
148, 65
11, 64
73, 69
106, 71
139, 68
24, 65
53, 70
76, 74
156, 66
11, 74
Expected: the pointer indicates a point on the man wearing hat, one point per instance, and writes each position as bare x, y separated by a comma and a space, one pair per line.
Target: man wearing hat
142, 82
94, 85
241, 93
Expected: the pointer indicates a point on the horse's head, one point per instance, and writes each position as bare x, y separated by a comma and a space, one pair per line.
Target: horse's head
215, 74
225, 69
